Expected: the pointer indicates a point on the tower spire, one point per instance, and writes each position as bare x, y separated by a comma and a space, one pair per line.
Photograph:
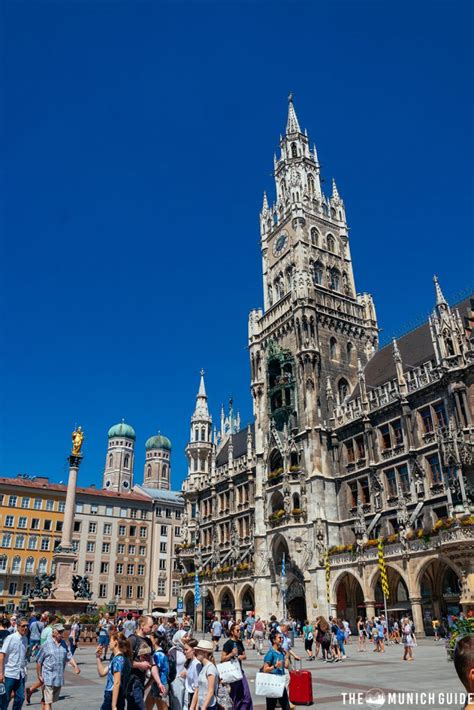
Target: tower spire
292, 125
201, 399
440, 299
335, 192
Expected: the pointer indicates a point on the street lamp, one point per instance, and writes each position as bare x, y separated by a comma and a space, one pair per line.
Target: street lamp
111, 608
204, 591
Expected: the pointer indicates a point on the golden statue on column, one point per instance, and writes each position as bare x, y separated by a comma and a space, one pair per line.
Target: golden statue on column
77, 439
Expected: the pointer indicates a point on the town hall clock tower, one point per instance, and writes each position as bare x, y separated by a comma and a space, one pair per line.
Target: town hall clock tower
308, 346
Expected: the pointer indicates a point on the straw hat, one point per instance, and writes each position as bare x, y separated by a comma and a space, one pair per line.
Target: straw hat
204, 645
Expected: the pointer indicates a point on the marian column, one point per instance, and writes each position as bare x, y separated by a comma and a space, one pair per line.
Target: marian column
65, 556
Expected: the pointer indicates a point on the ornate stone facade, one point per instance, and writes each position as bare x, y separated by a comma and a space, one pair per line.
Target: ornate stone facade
349, 442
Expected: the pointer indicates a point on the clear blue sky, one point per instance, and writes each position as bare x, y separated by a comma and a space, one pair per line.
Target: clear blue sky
138, 139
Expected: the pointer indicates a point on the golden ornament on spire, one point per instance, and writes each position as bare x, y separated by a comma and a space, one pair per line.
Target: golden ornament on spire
77, 439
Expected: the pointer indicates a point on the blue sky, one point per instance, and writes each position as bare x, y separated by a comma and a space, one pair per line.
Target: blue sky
138, 139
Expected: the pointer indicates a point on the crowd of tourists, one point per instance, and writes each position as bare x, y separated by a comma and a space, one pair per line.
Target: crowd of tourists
154, 661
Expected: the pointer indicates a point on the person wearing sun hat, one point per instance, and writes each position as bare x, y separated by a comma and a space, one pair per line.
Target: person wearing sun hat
50, 664
205, 695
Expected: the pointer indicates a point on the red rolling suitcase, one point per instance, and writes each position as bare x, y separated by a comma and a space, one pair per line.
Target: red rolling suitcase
301, 687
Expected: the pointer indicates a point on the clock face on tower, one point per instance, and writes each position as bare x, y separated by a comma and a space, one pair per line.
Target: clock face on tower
280, 243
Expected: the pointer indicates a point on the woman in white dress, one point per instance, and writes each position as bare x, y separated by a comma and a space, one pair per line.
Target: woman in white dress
409, 640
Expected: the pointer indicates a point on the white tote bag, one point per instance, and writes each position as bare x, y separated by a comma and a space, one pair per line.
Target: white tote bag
269, 685
229, 671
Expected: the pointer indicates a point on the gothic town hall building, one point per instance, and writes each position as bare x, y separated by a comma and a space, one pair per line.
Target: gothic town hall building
350, 443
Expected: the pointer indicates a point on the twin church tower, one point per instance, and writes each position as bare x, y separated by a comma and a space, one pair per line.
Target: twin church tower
119, 463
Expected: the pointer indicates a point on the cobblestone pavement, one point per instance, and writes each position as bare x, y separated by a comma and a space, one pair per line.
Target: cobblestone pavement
359, 673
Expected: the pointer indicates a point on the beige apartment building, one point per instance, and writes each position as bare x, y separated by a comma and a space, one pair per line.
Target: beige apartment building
124, 535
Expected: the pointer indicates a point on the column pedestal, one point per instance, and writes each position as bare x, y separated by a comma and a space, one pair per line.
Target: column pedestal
64, 565
370, 609
417, 614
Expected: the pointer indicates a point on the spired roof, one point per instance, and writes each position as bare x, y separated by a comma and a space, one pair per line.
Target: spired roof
239, 443
158, 442
122, 429
416, 348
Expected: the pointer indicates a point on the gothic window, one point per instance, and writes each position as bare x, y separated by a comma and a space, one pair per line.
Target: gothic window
333, 348
350, 451
294, 462
333, 212
331, 244
203, 434
294, 150
314, 236
349, 349
343, 390
283, 187
318, 273
335, 279
325, 209
311, 184
164, 472
296, 502
148, 470
111, 460
276, 462
126, 461
289, 277
270, 295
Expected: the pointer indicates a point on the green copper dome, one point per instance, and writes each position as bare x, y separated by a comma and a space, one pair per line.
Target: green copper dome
122, 429
158, 442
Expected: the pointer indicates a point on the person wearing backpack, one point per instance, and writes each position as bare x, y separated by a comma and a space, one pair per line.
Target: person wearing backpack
324, 636
142, 651
308, 640
118, 672
159, 673
341, 637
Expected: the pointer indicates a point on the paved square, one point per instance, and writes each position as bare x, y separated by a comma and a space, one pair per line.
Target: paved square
430, 671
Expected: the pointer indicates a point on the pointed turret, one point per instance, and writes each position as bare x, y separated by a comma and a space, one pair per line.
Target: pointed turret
265, 204
249, 442
402, 385
335, 194
292, 125
200, 446
440, 299
201, 400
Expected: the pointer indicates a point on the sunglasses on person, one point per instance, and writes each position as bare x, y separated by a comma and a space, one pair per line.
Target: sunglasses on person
23, 626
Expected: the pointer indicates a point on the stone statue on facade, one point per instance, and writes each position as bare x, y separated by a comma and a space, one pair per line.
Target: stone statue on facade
42, 586
215, 557
319, 535
77, 439
234, 542
377, 488
262, 559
